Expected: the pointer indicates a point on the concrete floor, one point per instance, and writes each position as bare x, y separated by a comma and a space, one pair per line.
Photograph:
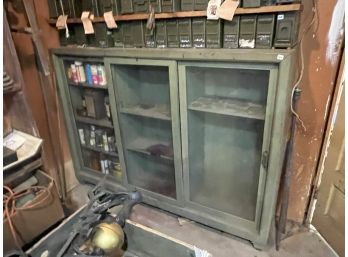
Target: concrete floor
302, 243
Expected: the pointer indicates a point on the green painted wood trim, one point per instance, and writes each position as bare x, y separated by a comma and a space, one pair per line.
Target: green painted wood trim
245, 55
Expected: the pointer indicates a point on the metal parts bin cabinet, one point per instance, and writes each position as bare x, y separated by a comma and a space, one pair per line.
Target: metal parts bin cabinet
208, 145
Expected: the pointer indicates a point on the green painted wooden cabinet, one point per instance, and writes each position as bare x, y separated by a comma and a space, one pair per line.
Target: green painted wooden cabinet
200, 132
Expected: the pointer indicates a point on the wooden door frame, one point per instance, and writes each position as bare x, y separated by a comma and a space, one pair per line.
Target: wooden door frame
320, 167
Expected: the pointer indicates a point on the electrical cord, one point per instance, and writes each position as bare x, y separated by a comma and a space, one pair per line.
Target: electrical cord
10, 206
300, 42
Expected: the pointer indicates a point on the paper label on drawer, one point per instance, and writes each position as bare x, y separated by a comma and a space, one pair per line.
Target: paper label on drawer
87, 23
109, 20
212, 9
280, 17
227, 9
280, 57
61, 21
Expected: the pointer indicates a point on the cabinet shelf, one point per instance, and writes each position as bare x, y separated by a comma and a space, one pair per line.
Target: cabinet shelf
227, 106
85, 85
102, 123
141, 145
156, 112
95, 149
189, 14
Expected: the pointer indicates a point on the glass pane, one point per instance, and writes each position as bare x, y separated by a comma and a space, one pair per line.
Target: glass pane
226, 112
143, 99
91, 106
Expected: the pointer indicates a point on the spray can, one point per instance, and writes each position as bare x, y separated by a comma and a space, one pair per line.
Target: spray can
88, 74
94, 72
101, 75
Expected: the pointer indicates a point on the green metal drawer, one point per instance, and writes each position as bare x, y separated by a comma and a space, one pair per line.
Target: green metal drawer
149, 37
198, 32
133, 35
200, 5
140, 5
265, 31
103, 35
187, 5
286, 30
247, 31
117, 34
172, 33
109, 5
213, 33
67, 8
170, 5
251, 3
267, 2
185, 33
156, 4
161, 34
91, 6
231, 33
126, 6
80, 36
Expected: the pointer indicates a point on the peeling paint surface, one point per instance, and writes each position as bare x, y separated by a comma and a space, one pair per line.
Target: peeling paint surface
335, 33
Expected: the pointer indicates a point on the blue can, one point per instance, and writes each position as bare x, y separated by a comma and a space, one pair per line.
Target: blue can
89, 74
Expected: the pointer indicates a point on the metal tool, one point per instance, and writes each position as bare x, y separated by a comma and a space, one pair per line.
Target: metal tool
95, 218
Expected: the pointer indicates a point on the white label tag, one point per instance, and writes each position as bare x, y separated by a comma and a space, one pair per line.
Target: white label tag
280, 17
109, 20
280, 57
212, 9
227, 9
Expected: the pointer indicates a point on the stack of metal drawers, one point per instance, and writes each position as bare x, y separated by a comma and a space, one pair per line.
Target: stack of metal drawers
244, 31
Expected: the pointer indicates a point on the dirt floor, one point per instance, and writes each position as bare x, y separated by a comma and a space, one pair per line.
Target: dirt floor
302, 243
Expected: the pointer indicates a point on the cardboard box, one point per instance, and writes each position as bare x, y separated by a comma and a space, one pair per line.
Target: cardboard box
32, 222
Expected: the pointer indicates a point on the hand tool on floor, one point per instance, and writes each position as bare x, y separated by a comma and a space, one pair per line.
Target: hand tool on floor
97, 233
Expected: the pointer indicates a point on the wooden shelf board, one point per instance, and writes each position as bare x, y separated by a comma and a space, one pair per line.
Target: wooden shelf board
102, 123
141, 144
85, 85
231, 107
156, 112
189, 14
99, 150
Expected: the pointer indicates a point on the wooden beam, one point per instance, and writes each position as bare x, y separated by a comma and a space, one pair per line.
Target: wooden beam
190, 14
